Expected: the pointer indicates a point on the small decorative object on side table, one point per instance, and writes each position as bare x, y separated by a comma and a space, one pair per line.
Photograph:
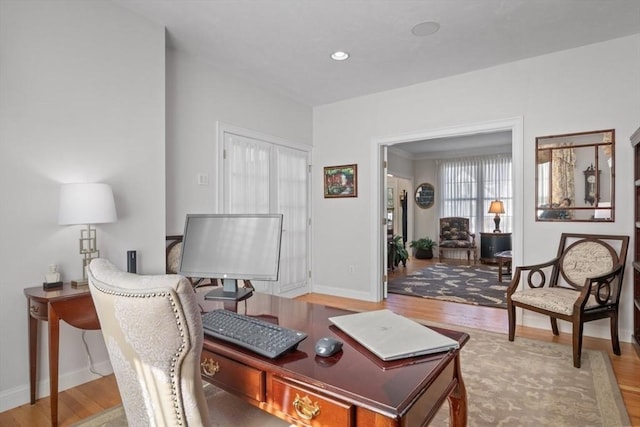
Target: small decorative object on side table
52, 279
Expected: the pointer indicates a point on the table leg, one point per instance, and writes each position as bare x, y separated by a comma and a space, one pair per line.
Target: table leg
458, 399
500, 264
54, 347
33, 353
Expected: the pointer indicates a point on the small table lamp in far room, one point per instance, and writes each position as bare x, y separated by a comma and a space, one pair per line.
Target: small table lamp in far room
86, 204
496, 207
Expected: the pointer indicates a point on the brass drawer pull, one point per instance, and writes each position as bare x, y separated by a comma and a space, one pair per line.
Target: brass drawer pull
306, 409
210, 367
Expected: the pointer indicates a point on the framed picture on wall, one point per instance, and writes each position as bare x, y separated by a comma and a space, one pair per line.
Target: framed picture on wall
341, 181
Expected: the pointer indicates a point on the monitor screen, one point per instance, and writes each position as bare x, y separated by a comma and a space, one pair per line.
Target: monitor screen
232, 246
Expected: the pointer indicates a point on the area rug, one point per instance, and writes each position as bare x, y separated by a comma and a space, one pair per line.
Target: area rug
468, 284
225, 410
520, 383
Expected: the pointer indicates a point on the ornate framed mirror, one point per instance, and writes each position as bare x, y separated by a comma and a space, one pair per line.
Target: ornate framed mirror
424, 196
575, 176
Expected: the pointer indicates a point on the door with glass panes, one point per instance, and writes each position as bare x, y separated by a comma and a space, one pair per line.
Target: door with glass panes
260, 176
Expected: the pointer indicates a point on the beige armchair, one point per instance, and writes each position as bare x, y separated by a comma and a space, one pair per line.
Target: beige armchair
152, 328
582, 283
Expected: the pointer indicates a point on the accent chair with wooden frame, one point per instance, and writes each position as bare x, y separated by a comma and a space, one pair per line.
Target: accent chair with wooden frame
455, 236
582, 283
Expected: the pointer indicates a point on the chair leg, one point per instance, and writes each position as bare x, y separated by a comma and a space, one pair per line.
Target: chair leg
615, 342
577, 342
511, 312
554, 326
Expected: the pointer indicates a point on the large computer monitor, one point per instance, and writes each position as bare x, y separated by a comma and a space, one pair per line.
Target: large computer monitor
231, 247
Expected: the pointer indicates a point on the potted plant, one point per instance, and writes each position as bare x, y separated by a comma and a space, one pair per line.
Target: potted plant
423, 248
396, 247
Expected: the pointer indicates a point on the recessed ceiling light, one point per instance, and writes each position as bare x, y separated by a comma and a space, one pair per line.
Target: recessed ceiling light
425, 28
339, 55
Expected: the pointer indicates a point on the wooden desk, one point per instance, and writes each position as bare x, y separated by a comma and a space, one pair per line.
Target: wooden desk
352, 388
75, 307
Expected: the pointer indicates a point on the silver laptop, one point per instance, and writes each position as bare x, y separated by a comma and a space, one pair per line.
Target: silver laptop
391, 336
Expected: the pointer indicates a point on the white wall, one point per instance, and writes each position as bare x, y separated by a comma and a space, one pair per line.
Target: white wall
197, 98
81, 100
589, 88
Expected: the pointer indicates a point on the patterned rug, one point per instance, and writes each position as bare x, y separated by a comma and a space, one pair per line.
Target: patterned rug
520, 383
469, 284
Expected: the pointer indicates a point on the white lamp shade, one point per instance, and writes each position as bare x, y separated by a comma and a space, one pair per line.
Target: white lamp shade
86, 204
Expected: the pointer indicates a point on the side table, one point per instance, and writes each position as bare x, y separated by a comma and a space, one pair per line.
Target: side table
492, 243
503, 258
74, 306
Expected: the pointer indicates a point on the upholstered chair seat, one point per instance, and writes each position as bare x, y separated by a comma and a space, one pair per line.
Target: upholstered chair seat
558, 300
152, 328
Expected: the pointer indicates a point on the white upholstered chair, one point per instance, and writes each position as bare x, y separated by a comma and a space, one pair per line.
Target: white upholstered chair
152, 328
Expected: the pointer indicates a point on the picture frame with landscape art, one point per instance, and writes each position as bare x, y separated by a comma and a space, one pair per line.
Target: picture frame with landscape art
341, 181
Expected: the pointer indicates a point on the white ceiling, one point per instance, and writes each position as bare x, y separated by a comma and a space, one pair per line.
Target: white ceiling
455, 146
284, 45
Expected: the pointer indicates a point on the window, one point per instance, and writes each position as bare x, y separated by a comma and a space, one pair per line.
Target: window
469, 185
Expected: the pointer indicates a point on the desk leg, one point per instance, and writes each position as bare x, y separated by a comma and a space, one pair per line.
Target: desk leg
458, 399
33, 352
54, 347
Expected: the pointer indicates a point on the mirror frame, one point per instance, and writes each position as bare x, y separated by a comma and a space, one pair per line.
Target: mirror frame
425, 195
589, 181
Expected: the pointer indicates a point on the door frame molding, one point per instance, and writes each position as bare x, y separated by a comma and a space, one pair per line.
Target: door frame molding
513, 124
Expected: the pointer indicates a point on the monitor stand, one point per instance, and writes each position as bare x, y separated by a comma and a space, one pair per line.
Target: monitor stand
229, 292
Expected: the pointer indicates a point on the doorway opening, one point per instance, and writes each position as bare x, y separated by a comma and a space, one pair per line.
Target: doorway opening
443, 141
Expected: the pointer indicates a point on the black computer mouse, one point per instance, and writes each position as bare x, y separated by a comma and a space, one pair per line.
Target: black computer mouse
328, 346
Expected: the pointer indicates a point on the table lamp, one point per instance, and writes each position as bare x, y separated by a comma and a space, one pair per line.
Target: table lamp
496, 207
86, 204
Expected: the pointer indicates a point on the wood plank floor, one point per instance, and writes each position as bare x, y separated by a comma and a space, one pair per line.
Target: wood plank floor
90, 398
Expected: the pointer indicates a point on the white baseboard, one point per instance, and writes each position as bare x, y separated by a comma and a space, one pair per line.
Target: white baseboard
17, 396
595, 329
342, 292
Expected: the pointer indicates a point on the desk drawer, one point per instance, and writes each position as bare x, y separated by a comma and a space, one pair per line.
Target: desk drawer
233, 376
309, 407
38, 310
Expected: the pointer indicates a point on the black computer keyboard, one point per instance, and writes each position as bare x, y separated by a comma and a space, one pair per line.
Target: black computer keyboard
256, 335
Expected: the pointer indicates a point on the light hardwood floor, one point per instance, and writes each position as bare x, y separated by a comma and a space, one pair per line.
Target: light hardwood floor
90, 398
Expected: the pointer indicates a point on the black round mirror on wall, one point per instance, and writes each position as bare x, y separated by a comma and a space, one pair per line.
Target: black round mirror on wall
425, 194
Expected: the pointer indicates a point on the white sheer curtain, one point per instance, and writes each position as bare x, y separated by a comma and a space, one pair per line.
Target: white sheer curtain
247, 165
468, 185
292, 202
261, 177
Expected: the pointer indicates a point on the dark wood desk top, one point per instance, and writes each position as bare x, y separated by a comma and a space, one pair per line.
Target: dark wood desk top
355, 373
38, 293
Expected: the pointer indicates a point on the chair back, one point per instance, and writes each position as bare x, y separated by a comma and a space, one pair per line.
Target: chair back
454, 229
152, 328
584, 256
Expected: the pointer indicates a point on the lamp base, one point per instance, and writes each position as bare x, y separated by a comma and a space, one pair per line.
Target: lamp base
80, 283
496, 221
